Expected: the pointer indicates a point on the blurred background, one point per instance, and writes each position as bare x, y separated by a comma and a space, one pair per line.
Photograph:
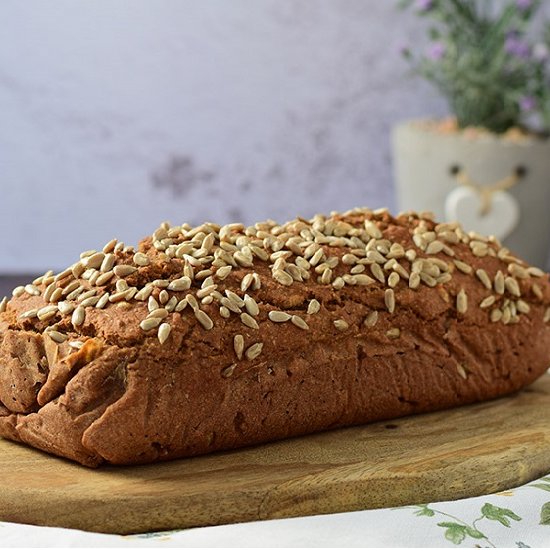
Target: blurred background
119, 114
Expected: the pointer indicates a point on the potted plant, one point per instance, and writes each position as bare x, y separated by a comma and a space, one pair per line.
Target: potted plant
488, 165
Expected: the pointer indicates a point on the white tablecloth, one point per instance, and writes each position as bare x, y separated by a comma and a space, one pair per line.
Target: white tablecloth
519, 518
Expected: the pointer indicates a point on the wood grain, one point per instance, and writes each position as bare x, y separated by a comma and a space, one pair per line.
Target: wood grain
448, 455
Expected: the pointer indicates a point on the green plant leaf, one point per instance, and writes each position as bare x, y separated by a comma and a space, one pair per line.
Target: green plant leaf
502, 515
474, 533
424, 511
545, 514
454, 532
543, 486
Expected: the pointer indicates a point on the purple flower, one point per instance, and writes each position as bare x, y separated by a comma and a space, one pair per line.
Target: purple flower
423, 5
524, 5
436, 51
527, 103
540, 52
517, 47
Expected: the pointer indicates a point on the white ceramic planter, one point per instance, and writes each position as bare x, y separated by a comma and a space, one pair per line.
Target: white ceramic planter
520, 216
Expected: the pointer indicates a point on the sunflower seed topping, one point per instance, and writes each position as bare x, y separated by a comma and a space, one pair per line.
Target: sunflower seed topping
341, 325
78, 316
238, 346
389, 300
124, 270
299, 322
150, 323
254, 351
463, 266
3, 304
512, 286
203, 318
279, 316
249, 321
484, 278
163, 332
462, 301
371, 319
487, 302
546, 317
393, 333
141, 259
313, 307
57, 336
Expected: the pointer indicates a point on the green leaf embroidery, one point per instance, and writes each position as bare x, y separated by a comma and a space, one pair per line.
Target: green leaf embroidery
522, 545
424, 511
455, 532
474, 533
545, 514
501, 515
543, 486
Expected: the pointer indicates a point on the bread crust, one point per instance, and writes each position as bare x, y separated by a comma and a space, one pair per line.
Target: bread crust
124, 397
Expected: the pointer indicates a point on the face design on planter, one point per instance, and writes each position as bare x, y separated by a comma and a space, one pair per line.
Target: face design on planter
489, 208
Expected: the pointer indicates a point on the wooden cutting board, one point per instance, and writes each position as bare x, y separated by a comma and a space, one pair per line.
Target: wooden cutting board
448, 455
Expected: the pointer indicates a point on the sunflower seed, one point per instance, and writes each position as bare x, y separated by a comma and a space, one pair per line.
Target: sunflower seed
93, 261
462, 301
182, 304
163, 332
3, 304
371, 319
461, 371
144, 293
238, 346
313, 307
228, 371
57, 336
251, 305
152, 304
496, 315
249, 321
414, 280
389, 300
279, 316
435, 247
299, 322
377, 272
56, 295
537, 291
499, 282
203, 319
183, 283
124, 270
546, 317
33, 290
160, 313
224, 312
206, 291
512, 286
340, 324
522, 306
506, 315
223, 272
484, 278
31, 313
254, 351
171, 304
102, 302
150, 323
393, 333
517, 271
78, 316
535, 271
110, 246
487, 302
282, 277
393, 280
104, 278
462, 266
141, 259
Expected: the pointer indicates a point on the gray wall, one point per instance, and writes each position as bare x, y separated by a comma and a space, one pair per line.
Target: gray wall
118, 114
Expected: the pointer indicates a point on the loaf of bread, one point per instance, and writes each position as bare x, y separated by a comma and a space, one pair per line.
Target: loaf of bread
216, 337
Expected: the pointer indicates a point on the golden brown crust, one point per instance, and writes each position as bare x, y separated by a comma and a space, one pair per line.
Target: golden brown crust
343, 320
